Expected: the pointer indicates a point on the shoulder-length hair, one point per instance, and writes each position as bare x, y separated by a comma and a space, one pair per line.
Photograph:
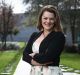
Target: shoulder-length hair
52, 9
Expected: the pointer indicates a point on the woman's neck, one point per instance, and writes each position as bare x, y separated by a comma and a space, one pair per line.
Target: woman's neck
45, 33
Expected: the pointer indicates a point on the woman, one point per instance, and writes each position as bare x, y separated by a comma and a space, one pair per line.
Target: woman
44, 47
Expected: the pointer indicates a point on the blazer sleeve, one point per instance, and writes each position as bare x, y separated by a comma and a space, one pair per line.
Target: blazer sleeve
53, 51
28, 50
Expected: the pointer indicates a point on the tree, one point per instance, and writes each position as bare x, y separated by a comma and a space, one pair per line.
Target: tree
70, 9
36, 5
6, 22
70, 17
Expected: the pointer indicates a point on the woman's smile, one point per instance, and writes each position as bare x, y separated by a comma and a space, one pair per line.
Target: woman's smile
47, 20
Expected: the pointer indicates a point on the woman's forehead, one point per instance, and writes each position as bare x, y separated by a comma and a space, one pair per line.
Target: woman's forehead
47, 13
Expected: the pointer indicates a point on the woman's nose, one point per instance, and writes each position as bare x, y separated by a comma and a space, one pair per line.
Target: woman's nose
48, 20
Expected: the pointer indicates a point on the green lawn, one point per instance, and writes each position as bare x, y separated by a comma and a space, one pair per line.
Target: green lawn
71, 60
10, 57
5, 58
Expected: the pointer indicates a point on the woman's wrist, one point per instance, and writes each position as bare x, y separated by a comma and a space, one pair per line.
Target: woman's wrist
32, 54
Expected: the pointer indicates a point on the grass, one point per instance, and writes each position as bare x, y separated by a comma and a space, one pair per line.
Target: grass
22, 44
16, 60
71, 60
11, 57
5, 58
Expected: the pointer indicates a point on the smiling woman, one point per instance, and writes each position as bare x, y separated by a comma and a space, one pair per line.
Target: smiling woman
43, 50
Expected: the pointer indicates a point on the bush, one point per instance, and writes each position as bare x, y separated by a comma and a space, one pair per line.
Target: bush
15, 31
71, 49
11, 46
78, 48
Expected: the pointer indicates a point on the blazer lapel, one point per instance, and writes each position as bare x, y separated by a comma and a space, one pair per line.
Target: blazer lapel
44, 44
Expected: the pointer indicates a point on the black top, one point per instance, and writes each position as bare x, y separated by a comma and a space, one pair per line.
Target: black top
49, 50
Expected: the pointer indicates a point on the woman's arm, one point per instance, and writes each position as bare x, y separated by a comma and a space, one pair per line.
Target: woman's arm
33, 62
28, 49
53, 51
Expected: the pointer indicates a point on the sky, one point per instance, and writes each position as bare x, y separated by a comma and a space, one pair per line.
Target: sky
18, 6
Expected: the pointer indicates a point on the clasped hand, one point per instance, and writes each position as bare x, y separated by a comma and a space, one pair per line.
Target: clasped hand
32, 54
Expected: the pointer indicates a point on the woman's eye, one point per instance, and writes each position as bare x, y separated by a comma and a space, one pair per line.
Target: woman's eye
52, 19
45, 18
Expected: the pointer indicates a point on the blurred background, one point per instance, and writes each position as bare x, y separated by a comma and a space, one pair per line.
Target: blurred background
18, 20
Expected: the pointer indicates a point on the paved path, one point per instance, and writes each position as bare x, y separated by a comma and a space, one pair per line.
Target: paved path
19, 70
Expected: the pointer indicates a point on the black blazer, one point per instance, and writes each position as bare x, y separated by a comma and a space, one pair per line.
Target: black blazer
49, 50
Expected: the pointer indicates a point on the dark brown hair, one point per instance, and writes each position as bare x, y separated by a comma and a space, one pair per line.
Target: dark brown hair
52, 9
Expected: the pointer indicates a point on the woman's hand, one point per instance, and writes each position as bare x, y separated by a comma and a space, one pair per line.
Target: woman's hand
33, 62
32, 54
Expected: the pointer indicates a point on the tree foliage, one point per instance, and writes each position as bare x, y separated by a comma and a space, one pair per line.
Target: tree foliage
7, 22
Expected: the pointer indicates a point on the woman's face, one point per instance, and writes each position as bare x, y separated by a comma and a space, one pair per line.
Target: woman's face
48, 20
